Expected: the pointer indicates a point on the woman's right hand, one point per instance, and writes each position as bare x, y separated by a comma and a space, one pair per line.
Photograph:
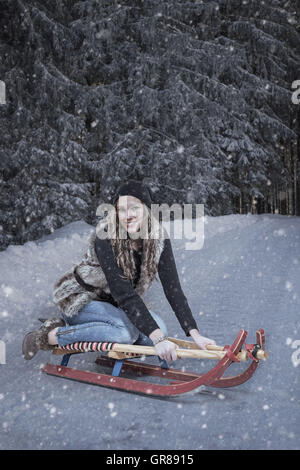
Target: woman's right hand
166, 350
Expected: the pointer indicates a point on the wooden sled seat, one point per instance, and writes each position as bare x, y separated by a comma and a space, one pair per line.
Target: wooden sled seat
89, 346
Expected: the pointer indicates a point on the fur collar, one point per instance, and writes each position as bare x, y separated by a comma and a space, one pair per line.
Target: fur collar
71, 297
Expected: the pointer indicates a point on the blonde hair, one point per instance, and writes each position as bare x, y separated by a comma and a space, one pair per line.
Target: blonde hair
122, 244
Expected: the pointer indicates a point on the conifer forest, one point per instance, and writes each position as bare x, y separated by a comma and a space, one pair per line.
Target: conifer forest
198, 99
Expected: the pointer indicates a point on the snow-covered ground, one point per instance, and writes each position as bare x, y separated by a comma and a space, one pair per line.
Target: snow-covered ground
247, 275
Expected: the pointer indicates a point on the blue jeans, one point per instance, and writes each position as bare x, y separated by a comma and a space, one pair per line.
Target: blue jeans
102, 321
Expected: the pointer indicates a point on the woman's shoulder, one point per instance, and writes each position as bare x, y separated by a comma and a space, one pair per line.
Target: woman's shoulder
98, 244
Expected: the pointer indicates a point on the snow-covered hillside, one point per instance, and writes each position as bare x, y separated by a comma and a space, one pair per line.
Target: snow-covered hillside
247, 275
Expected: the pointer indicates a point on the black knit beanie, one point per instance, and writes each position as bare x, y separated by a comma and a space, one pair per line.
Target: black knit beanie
136, 189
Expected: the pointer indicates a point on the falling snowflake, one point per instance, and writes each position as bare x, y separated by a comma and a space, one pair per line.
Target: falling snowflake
288, 286
7, 290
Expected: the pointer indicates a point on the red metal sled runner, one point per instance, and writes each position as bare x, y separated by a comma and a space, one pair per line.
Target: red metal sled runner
181, 382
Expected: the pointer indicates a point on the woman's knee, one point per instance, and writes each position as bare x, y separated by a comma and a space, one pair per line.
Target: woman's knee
126, 336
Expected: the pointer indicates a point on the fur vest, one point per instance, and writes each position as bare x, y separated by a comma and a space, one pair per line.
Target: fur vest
71, 297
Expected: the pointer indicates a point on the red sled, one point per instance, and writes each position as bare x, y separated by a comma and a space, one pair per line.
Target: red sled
178, 381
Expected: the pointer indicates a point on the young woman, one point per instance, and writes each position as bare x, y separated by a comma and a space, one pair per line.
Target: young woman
101, 297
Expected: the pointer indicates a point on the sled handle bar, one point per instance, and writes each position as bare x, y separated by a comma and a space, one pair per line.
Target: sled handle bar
260, 353
189, 350
181, 353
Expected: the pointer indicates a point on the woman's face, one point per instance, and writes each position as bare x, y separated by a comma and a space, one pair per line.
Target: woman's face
130, 212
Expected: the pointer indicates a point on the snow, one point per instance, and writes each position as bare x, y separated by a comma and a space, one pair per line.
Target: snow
245, 276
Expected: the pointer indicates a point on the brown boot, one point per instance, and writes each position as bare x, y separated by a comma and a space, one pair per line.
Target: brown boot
38, 339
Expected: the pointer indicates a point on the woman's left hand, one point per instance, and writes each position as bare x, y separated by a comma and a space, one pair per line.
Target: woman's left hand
201, 341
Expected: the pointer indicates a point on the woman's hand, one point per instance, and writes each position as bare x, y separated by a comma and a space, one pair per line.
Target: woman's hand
166, 350
201, 341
